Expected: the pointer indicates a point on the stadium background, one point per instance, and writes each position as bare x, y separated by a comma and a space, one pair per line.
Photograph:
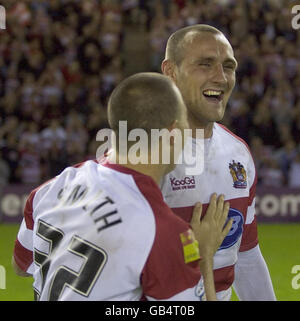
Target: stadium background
60, 59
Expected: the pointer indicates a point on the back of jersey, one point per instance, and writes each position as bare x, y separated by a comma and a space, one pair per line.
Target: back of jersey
93, 232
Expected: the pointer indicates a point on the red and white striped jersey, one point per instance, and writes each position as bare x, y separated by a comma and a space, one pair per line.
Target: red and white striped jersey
228, 169
102, 232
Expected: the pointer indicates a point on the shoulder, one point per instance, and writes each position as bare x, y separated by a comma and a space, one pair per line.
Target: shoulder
234, 140
38, 194
32, 201
152, 195
164, 216
232, 137
67, 173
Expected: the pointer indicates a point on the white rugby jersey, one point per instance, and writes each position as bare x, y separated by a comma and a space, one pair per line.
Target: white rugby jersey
102, 232
228, 169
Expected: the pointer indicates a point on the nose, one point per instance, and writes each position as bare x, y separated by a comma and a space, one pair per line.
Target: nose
218, 75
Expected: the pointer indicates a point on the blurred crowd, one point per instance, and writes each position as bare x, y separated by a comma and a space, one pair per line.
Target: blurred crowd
60, 60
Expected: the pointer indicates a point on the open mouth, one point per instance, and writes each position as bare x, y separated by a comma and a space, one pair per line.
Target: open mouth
213, 95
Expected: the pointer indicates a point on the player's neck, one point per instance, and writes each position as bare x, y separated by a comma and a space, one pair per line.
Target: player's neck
155, 171
196, 124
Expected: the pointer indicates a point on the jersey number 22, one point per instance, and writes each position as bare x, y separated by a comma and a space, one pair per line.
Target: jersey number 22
81, 282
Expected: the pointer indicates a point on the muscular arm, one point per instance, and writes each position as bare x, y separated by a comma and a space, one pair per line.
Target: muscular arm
252, 278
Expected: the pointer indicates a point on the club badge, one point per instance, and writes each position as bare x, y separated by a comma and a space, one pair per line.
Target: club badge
238, 174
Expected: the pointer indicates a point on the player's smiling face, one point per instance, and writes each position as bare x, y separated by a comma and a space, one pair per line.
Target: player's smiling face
206, 75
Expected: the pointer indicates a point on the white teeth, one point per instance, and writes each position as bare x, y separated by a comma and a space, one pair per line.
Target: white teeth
212, 93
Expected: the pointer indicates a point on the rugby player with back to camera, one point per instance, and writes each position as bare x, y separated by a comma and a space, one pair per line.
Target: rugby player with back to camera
200, 61
101, 231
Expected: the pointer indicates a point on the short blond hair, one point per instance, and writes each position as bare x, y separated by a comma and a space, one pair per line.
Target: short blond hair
175, 45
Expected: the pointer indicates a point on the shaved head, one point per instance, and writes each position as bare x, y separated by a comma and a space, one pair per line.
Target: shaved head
145, 100
176, 42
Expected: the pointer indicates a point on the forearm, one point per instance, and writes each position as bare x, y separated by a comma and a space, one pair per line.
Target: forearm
18, 270
252, 278
206, 268
210, 233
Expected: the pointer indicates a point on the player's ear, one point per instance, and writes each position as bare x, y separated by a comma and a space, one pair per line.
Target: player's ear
168, 69
174, 125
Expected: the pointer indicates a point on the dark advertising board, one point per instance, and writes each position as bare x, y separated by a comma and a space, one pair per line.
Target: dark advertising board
272, 204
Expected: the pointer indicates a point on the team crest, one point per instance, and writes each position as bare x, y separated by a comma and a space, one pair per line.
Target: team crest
238, 174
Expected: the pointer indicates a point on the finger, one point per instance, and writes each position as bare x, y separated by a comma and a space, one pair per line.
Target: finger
220, 205
196, 214
224, 214
227, 228
211, 207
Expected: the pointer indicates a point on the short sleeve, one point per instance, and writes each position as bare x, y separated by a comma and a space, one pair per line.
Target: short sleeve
166, 273
250, 235
23, 250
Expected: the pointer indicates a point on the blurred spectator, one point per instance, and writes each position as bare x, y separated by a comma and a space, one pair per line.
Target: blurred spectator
29, 169
56, 160
271, 175
240, 119
158, 36
53, 133
97, 120
10, 154
263, 124
261, 155
31, 136
285, 156
11, 126
175, 19
190, 13
76, 134
294, 172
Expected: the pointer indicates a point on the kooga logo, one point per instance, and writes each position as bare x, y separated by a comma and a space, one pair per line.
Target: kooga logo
185, 183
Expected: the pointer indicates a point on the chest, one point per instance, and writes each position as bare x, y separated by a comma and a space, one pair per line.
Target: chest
225, 170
